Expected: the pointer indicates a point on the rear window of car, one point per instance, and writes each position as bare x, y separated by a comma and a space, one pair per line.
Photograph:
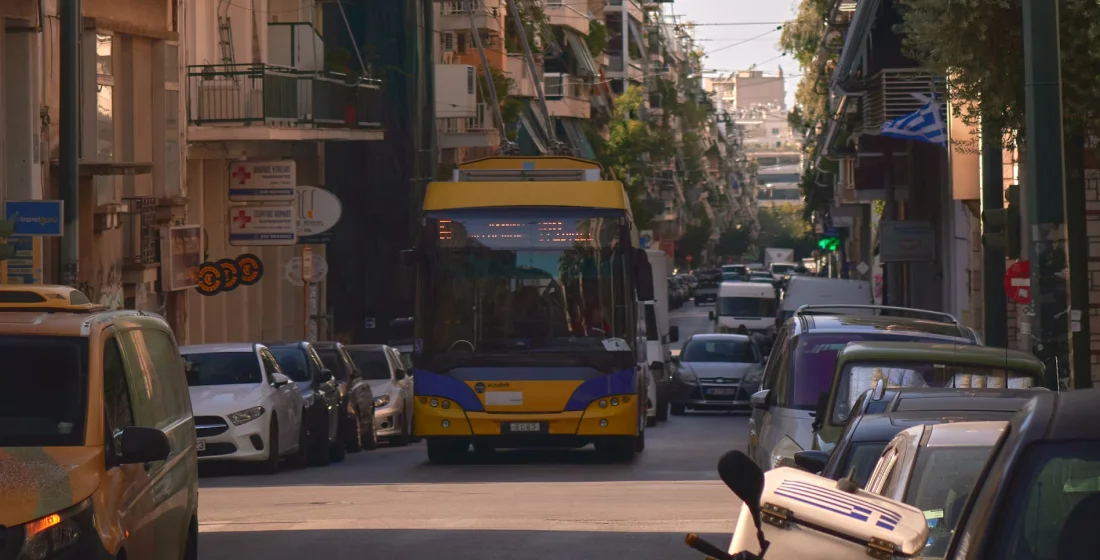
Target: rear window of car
861, 461
371, 363
811, 373
331, 359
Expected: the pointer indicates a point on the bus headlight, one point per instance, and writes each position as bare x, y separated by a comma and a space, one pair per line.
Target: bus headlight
53, 534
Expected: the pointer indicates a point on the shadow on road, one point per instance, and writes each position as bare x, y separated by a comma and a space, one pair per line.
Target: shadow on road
450, 544
686, 448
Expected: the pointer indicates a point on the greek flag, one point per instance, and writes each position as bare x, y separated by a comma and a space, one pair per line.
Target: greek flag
925, 125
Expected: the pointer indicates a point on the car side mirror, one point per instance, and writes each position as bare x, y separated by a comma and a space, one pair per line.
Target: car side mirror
400, 374
279, 380
761, 400
711, 315
811, 461
139, 445
674, 334
325, 376
820, 411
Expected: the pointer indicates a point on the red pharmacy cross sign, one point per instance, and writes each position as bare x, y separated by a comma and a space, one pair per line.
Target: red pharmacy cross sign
243, 173
1018, 282
243, 218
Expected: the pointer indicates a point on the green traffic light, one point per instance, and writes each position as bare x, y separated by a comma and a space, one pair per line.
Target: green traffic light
828, 243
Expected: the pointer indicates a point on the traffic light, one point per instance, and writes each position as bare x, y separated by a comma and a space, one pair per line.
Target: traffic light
831, 243
1001, 227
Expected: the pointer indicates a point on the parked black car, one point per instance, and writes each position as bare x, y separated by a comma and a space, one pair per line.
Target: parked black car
300, 362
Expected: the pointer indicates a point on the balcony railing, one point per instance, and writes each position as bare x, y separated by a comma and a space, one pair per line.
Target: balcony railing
469, 132
486, 15
264, 95
559, 86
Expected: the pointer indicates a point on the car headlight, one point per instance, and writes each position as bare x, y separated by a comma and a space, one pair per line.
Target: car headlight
685, 375
247, 415
46, 537
783, 454
381, 401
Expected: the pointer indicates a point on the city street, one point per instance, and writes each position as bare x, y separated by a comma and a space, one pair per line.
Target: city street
391, 503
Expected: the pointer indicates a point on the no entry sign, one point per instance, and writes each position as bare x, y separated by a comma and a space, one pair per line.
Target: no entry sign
1018, 282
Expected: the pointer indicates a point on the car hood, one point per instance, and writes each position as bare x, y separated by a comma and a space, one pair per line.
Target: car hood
38, 481
720, 369
224, 399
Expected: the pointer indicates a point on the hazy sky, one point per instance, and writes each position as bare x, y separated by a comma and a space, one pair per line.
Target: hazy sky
759, 44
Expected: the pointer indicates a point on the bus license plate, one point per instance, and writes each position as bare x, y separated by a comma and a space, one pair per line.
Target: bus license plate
523, 427
721, 391
200, 445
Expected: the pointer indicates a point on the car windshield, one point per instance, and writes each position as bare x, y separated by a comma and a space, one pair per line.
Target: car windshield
739, 351
941, 481
223, 368
371, 363
292, 360
518, 282
1054, 504
859, 377
814, 364
861, 460
748, 307
332, 362
43, 391
731, 276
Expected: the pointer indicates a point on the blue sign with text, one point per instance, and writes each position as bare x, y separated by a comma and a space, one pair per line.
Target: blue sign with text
35, 217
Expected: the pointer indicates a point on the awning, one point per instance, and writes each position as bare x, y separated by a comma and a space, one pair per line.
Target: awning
638, 36
586, 65
577, 137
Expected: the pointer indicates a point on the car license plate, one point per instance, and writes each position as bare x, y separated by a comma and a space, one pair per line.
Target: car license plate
721, 391
200, 445
523, 427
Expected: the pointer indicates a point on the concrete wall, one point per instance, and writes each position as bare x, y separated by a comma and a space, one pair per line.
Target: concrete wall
274, 308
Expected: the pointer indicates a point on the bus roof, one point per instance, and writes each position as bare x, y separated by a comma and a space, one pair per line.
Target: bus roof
496, 194
535, 163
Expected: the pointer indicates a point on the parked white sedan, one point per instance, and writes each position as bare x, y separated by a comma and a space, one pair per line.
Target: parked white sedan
391, 383
245, 408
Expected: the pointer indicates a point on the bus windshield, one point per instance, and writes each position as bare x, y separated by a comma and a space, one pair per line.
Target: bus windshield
505, 284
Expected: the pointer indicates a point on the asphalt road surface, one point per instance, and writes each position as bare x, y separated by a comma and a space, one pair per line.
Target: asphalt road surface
391, 503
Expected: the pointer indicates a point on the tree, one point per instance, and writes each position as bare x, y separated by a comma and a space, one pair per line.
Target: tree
734, 242
979, 44
693, 242
783, 226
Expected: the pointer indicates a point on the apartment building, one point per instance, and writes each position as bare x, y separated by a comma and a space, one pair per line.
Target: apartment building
261, 107
131, 181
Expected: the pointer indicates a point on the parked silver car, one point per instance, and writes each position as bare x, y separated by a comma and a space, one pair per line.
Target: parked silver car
391, 383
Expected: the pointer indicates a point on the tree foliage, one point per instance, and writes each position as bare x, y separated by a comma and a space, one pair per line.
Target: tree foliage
802, 40
597, 38
783, 226
979, 44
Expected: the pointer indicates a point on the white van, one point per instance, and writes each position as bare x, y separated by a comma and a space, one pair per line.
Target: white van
749, 304
812, 290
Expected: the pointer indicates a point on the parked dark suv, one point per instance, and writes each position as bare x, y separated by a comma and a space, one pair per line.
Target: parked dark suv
358, 430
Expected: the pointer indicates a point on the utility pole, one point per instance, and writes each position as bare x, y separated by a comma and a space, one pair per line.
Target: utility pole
1045, 184
68, 177
995, 301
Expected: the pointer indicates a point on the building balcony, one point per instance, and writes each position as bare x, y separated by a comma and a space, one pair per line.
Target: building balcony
567, 96
455, 16
471, 132
615, 68
522, 81
255, 102
571, 14
634, 8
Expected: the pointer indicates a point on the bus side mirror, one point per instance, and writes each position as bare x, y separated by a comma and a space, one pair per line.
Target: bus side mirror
643, 276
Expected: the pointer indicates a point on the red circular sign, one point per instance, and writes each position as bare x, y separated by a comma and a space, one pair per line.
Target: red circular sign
688, 258
1018, 282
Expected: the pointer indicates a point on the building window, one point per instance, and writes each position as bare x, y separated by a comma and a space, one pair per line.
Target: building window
105, 110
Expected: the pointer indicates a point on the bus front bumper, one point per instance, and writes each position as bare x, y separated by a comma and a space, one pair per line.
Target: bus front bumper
579, 426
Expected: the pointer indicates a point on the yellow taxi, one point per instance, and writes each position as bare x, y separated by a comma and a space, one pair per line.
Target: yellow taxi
97, 440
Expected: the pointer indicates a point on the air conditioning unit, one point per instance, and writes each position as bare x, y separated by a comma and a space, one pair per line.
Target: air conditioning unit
456, 91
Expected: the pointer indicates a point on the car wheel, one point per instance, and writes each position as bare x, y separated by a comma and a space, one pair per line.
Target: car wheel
639, 441
300, 458
319, 446
401, 439
191, 547
662, 409
370, 435
353, 439
650, 421
271, 465
678, 409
